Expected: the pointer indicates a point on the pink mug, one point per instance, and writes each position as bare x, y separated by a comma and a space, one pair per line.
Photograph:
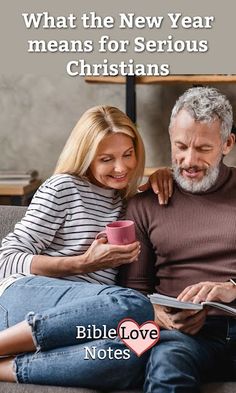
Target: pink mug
119, 232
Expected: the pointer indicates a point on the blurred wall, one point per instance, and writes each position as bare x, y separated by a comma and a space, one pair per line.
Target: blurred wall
38, 113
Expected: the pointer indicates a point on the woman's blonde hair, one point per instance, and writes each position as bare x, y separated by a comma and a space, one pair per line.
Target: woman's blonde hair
81, 146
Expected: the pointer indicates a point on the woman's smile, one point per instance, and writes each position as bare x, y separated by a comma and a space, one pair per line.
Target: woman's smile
114, 162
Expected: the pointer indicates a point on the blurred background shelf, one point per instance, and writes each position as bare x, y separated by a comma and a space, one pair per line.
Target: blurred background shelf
131, 81
18, 194
212, 78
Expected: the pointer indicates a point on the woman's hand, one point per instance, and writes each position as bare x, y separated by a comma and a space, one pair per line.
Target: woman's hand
209, 291
161, 182
186, 321
102, 255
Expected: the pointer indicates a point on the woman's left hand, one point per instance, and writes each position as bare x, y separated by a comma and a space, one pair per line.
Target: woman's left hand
161, 182
209, 291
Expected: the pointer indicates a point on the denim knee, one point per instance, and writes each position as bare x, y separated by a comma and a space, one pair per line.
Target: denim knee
135, 304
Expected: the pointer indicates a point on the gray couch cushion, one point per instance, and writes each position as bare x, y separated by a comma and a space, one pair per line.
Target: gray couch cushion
9, 215
22, 388
229, 387
224, 387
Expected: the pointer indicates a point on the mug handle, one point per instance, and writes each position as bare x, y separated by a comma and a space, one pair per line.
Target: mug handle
100, 235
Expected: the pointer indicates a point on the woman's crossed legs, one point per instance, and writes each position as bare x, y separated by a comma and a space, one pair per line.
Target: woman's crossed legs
53, 309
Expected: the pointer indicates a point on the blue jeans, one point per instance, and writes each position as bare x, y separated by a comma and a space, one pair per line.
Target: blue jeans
180, 363
53, 309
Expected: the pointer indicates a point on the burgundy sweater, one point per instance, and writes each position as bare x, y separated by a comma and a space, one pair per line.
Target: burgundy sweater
190, 240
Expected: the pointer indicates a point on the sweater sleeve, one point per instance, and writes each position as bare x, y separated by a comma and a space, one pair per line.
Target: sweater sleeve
139, 275
34, 233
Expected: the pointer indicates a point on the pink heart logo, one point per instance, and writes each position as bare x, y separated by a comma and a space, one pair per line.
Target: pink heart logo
139, 338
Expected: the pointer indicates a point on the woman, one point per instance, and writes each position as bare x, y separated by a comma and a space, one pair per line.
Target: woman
99, 168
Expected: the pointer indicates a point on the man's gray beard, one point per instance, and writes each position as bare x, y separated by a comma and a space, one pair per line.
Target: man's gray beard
197, 186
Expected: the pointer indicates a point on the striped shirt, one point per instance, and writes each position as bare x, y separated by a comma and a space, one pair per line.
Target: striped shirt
63, 219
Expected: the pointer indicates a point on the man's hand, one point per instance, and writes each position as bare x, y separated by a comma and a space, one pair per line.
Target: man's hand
161, 182
186, 321
209, 291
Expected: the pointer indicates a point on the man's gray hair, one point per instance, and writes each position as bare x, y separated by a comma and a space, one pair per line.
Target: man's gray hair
206, 104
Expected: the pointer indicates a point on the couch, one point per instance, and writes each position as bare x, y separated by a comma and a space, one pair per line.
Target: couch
9, 215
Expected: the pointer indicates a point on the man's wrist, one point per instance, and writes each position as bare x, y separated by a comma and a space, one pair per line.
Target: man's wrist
233, 288
233, 281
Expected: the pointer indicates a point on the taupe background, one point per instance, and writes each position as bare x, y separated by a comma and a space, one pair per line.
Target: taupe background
40, 104
219, 59
38, 113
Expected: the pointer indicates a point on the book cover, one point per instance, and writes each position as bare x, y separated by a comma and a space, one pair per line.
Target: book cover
169, 301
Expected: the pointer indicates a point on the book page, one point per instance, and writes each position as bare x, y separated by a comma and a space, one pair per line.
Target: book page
169, 301
173, 302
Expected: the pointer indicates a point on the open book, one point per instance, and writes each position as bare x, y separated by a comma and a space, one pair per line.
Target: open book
168, 301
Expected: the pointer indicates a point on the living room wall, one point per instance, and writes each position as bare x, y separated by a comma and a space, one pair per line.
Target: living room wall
38, 113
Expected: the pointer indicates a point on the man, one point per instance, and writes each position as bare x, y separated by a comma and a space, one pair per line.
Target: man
188, 248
